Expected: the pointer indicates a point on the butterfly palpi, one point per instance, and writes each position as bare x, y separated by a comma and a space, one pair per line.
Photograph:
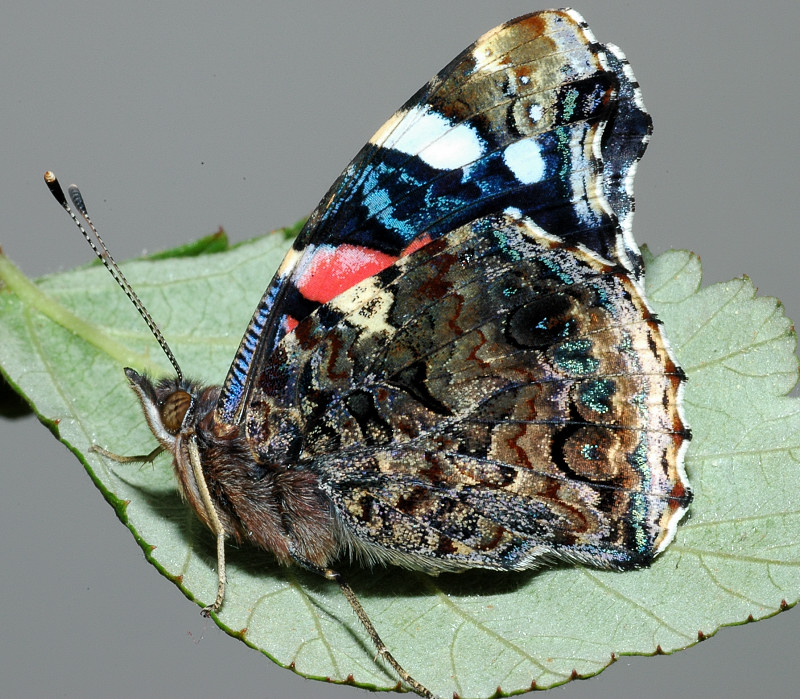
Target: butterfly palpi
455, 366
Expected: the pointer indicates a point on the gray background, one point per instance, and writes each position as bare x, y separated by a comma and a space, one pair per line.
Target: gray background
178, 117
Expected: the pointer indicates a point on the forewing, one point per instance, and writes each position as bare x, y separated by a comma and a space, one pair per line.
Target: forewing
495, 398
534, 117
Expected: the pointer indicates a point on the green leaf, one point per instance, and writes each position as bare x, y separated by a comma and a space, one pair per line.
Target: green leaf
207, 245
63, 343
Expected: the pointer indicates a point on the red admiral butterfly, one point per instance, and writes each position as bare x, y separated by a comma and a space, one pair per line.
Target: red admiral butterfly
455, 366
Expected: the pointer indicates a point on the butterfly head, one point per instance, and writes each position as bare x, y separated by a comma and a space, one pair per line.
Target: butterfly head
168, 405
173, 409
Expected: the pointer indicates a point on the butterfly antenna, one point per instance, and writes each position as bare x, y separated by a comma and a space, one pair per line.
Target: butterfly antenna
105, 256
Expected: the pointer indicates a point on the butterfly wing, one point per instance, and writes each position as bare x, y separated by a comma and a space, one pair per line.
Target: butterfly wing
495, 399
535, 117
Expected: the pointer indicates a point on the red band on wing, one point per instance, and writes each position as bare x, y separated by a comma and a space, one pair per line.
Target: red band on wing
332, 270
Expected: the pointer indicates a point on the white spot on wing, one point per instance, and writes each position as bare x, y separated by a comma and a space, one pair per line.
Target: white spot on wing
524, 159
432, 138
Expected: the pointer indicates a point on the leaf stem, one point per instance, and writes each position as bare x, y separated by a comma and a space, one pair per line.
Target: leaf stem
31, 295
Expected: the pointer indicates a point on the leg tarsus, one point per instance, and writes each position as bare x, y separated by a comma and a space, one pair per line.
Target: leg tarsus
120, 459
366, 622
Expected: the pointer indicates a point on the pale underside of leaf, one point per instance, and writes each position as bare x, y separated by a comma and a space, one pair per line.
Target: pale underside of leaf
736, 556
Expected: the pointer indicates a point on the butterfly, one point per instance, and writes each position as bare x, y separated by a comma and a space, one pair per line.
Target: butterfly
455, 366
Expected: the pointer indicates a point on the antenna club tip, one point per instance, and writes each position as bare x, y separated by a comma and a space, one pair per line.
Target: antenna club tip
55, 189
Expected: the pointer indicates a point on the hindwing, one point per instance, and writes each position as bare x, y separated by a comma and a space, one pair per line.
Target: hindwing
497, 398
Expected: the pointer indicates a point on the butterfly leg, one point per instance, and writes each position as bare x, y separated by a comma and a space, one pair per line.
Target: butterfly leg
214, 524
139, 459
383, 651
221, 577
366, 622
213, 517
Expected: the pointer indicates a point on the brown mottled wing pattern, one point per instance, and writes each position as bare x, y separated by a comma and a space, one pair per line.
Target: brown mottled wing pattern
495, 399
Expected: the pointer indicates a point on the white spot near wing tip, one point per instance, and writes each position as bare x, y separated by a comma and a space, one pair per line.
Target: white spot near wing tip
435, 140
524, 159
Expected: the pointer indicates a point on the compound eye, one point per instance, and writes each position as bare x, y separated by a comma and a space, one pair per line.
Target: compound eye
174, 409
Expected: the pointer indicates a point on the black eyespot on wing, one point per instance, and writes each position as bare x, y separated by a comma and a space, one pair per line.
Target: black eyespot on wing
540, 323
